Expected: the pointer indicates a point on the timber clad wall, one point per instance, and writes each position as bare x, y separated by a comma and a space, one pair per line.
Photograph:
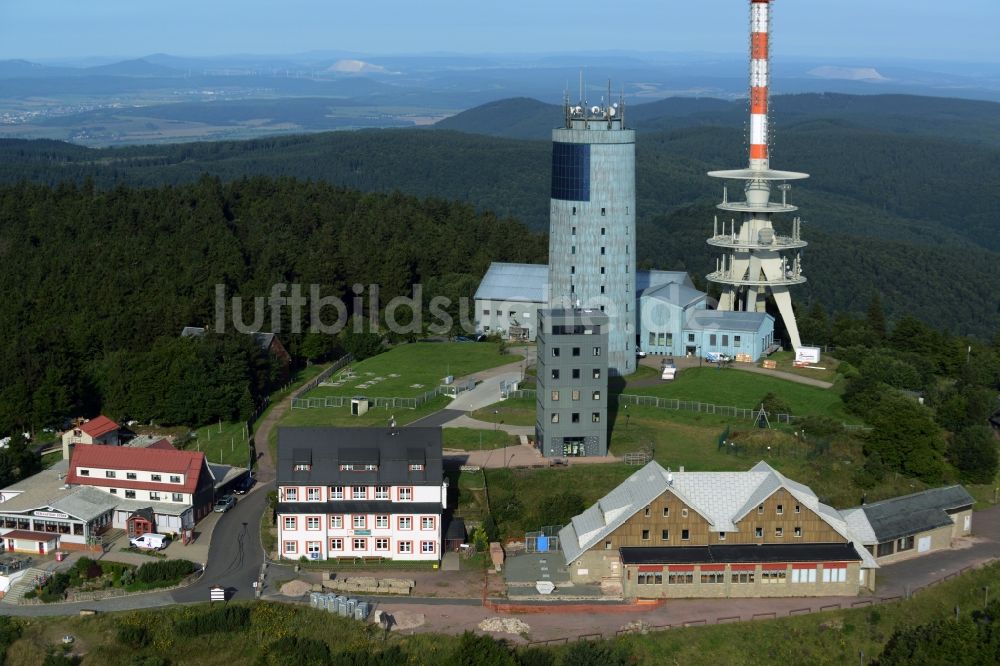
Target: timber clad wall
793, 514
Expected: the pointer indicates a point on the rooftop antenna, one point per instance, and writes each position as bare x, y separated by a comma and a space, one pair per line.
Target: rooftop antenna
582, 101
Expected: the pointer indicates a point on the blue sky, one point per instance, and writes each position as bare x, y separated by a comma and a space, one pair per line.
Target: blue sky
877, 29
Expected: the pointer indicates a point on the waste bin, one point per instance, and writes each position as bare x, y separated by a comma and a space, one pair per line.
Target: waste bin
60, 556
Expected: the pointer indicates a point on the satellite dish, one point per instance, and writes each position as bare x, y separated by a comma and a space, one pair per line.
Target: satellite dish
595, 110
612, 111
615, 105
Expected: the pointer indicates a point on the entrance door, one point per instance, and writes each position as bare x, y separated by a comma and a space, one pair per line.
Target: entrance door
690, 351
41, 547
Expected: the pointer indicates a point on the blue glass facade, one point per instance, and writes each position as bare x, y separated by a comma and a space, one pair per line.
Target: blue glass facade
571, 171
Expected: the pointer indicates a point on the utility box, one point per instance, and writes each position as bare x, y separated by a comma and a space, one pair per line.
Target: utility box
359, 406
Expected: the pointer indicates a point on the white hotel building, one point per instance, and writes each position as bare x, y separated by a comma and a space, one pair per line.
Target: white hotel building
360, 493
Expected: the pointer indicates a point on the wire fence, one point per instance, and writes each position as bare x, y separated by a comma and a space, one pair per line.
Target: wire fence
694, 406
378, 401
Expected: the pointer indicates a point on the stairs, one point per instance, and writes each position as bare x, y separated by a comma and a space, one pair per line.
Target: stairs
24, 584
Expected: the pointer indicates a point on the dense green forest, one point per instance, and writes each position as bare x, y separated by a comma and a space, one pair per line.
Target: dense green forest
99, 283
901, 199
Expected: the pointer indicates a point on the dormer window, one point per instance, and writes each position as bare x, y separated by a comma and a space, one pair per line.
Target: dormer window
131, 476
156, 477
302, 467
416, 467
302, 460
109, 474
175, 479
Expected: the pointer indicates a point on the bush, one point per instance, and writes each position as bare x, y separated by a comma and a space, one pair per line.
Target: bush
218, 619
165, 571
10, 631
774, 405
133, 636
477, 650
295, 651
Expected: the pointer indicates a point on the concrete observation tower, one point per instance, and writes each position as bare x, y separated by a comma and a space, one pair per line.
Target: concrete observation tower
592, 222
755, 258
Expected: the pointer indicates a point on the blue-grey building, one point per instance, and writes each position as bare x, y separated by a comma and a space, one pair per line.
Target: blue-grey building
592, 223
572, 397
674, 318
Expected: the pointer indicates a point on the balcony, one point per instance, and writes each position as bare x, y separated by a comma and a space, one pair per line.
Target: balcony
729, 278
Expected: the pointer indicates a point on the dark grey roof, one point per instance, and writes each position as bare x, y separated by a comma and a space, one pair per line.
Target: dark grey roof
725, 320
360, 506
919, 512
750, 553
454, 529
263, 340
391, 450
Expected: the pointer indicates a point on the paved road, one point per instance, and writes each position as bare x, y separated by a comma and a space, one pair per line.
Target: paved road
437, 419
683, 363
236, 551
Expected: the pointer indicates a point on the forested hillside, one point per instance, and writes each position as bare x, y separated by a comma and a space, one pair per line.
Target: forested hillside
97, 284
895, 204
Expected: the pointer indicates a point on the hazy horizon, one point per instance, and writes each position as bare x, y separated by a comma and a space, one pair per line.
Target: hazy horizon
919, 30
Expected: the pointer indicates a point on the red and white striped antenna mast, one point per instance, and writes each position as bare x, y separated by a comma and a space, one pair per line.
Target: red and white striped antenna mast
756, 259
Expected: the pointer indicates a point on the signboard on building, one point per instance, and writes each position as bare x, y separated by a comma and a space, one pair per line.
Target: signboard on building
50, 514
807, 355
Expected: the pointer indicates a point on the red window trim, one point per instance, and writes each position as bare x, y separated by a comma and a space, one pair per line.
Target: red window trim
308, 488
433, 523
319, 522
388, 544
294, 489
712, 567
363, 540
743, 567
353, 498
432, 550
295, 523
388, 521
774, 567
340, 539
681, 567
336, 515
399, 547
650, 567
803, 565
400, 489
399, 523
363, 517
284, 549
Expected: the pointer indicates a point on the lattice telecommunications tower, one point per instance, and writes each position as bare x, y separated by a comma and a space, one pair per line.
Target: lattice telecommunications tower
755, 259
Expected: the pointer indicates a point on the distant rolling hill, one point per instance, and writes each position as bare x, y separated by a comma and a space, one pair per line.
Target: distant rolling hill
968, 120
894, 204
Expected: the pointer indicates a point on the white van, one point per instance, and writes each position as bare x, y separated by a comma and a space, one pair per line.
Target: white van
151, 541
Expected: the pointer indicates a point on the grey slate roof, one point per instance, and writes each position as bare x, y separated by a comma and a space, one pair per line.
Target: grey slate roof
262, 339
527, 283
327, 448
711, 320
514, 282
722, 498
47, 489
910, 514
678, 294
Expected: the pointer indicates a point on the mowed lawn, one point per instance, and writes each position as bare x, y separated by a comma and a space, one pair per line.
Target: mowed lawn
729, 387
412, 369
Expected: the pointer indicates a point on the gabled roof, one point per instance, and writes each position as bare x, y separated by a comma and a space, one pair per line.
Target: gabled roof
514, 282
528, 283
726, 320
907, 515
722, 498
674, 293
97, 426
120, 458
324, 450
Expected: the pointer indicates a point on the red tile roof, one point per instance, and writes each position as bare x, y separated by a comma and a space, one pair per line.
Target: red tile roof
122, 459
162, 444
31, 536
98, 426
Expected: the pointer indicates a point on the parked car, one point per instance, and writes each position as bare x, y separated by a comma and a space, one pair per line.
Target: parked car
224, 503
640, 354
150, 541
244, 484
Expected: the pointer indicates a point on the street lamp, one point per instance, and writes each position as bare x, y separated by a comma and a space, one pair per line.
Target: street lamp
496, 415
627, 416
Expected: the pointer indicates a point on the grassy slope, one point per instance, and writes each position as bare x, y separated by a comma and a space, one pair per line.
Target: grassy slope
424, 363
836, 637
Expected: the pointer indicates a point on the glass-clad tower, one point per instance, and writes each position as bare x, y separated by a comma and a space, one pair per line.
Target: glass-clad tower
592, 223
